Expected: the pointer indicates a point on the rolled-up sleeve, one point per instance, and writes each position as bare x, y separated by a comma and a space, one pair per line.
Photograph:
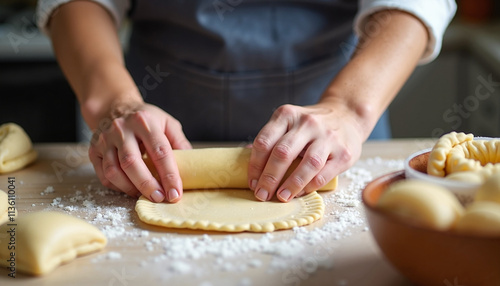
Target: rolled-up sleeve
46, 8
434, 14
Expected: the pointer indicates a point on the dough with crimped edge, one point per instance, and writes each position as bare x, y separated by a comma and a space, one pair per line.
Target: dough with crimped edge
480, 218
216, 168
477, 155
16, 150
231, 210
421, 203
490, 189
439, 153
44, 240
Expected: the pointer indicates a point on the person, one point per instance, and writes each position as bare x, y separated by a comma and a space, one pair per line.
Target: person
303, 79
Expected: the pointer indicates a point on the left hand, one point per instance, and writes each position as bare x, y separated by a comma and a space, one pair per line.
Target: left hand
328, 140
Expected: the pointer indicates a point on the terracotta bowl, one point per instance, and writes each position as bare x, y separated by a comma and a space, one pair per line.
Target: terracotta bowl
416, 168
428, 257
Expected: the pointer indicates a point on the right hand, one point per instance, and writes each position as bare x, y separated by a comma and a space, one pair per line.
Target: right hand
116, 153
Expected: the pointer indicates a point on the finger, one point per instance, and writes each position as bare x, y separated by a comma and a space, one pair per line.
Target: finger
311, 164
177, 139
112, 172
263, 146
335, 164
282, 156
97, 163
131, 163
161, 154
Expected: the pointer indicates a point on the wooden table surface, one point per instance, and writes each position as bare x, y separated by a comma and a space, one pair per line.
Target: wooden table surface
136, 253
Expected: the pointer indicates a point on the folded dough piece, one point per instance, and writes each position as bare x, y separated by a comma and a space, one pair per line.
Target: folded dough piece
422, 203
481, 218
16, 150
4, 207
44, 240
231, 210
216, 168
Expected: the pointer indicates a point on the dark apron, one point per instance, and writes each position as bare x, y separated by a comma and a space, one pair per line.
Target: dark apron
222, 67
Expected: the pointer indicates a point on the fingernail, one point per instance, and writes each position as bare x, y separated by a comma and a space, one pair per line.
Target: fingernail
157, 196
253, 185
301, 193
285, 194
172, 195
262, 195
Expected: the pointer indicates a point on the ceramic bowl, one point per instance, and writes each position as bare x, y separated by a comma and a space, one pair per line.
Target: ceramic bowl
430, 257
416, 168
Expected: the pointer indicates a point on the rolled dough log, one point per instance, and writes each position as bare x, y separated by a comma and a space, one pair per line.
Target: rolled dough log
44, 240
16, 150
218, 168
422, 203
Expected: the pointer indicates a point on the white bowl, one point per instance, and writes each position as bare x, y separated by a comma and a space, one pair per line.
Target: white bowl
416, 168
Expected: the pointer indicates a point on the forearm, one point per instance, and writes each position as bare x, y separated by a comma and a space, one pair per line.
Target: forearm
384, 59
88, 50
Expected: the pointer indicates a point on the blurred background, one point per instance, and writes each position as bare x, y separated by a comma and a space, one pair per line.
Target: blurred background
460, 90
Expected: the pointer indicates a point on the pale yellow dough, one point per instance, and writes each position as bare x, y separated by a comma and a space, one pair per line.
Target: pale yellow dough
216, 168
439, 153
467, 177
481, 218
477, 156
231, 210
422, 203
16, 150
44, 240
4, 207
490, 189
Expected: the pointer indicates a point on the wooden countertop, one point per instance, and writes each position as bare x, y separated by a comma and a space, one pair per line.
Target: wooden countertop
138, 254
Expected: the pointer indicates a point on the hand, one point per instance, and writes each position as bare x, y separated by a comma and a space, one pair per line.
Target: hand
328, 140
116, 153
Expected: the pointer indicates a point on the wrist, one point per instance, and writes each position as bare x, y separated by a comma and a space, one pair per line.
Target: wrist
109, 93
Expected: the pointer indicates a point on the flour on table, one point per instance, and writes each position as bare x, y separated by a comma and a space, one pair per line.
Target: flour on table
174, 254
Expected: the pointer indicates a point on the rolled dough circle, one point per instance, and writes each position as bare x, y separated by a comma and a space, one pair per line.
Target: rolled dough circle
231, 210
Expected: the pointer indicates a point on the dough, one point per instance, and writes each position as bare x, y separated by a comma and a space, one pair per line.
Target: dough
4, 207
216, 168
422, 203
481, 218
477, 155
44, 240
16, 150
490, 189
466, 176
231, 210
439, 153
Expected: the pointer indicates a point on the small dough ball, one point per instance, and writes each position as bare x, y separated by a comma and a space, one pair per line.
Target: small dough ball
422, 203
466, 176
481, 218
490, 189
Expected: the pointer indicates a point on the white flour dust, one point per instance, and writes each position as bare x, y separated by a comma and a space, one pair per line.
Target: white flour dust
113, 213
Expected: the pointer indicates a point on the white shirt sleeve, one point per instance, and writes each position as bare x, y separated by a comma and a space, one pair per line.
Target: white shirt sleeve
435, 14
46, 8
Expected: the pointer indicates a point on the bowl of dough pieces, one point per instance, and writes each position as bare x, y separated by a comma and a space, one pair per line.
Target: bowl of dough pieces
429, 235
459, 162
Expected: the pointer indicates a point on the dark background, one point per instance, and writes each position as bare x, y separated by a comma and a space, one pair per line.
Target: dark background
35, 94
